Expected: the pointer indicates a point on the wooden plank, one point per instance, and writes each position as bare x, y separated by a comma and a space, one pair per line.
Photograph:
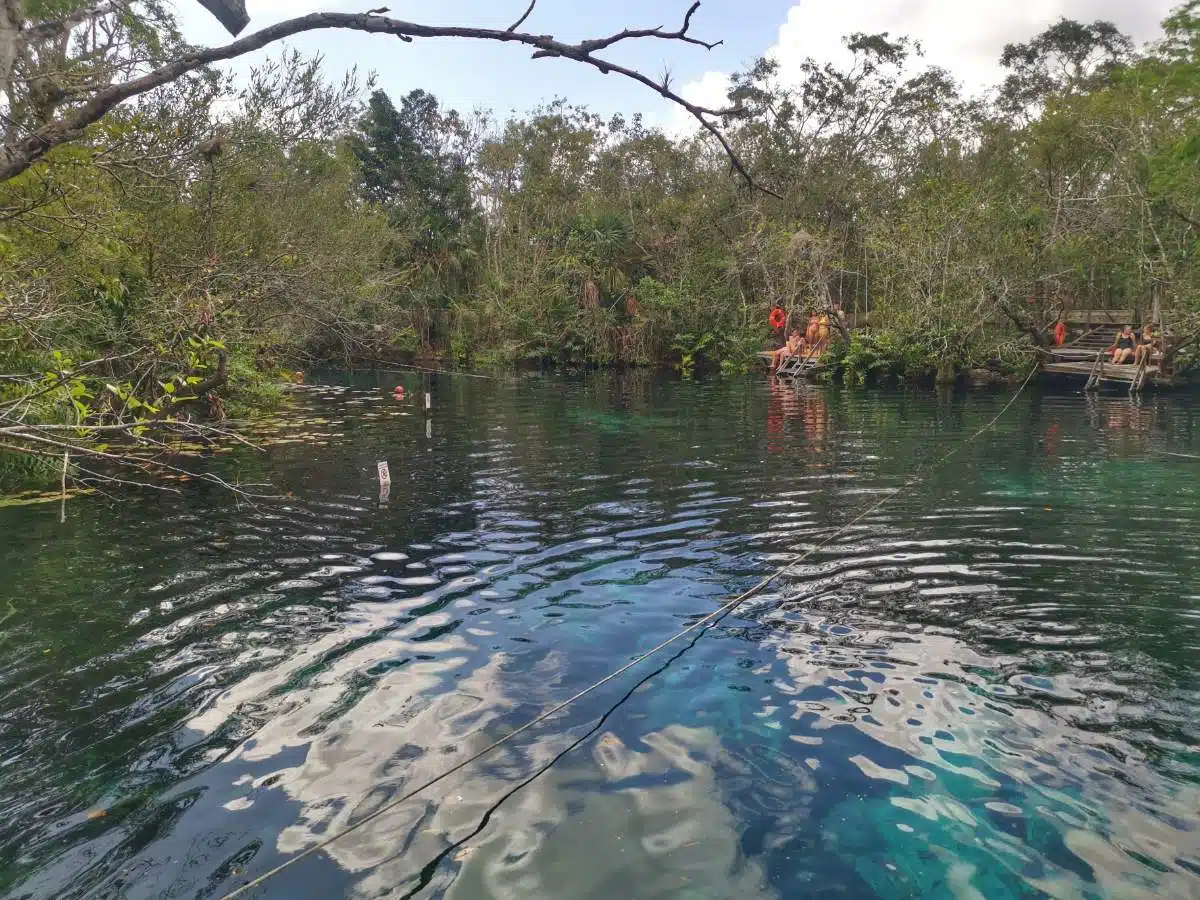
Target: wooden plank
1100, 316
1124, 373
1068, 354
230, 13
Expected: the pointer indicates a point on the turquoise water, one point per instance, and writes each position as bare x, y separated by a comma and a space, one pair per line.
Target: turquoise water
985, 689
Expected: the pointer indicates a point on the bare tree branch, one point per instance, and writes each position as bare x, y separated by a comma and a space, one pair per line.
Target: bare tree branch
1182, 216
21, 154
39, 443
633, 34
46, 30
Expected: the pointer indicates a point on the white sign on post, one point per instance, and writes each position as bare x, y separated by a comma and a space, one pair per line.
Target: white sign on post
385, 481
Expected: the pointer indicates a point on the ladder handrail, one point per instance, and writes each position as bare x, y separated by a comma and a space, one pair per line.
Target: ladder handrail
1097, 372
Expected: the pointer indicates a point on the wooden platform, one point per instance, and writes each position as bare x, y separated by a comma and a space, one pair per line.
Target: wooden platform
1084, 368
793, 366
1095, 375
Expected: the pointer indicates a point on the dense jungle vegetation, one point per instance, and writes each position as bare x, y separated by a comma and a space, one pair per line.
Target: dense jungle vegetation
175, 256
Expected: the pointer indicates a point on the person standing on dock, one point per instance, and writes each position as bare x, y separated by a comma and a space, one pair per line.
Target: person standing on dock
1060, 333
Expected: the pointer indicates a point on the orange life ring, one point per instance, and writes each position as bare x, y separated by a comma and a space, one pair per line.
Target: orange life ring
778, 318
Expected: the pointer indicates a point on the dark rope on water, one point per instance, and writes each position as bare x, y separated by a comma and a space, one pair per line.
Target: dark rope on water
701, 623
393, 367
430, 868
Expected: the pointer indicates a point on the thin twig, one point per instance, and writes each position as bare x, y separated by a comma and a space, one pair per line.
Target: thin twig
137, 463
521, 21
62, 515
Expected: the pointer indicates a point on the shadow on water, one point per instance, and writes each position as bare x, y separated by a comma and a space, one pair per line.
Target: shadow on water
987, 688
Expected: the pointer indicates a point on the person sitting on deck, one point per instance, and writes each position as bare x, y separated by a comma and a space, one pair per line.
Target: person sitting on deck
1123, 346
794, 345
1145, 346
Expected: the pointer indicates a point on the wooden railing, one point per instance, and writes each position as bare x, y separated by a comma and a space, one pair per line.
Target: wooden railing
1092, 317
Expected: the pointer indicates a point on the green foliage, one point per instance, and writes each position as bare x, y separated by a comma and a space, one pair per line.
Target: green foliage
874, 355
319, 221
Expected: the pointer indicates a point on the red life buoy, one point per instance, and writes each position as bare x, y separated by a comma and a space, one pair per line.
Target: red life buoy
778, 318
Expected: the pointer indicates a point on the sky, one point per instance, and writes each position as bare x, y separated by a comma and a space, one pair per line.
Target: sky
963, 36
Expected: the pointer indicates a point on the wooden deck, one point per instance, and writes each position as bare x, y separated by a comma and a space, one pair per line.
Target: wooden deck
793, 367
1095, 374
1087, 357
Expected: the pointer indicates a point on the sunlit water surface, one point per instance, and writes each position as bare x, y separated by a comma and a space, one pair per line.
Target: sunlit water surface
985, 689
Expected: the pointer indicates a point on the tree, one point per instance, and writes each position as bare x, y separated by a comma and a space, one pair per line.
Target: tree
410, 166
138, 50
320, 221
1066, 58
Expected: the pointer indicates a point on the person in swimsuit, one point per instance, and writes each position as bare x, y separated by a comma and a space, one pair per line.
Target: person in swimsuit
1123, 346
1145, 345
794, 345
822, 333
813, 334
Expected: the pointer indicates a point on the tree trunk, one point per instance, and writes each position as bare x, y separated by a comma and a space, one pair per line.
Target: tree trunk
1030, 328
10, 43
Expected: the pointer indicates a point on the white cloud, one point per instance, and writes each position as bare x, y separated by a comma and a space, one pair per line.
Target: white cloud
965, 38
277, 9
709, 91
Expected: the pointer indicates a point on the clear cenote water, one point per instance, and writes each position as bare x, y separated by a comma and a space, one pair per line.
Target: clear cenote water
986, 689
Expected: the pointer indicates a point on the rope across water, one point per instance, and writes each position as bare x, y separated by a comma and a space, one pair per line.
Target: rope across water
704, 622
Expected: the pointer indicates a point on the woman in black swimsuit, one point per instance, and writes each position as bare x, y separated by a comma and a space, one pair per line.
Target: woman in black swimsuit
1122, 348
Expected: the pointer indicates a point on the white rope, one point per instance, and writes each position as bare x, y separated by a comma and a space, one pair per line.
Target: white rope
719, 613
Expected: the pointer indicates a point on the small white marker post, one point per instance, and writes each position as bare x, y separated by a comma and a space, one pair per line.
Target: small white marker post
385, 480
428, 401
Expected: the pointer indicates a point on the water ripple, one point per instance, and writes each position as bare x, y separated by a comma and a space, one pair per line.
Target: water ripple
985, 688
